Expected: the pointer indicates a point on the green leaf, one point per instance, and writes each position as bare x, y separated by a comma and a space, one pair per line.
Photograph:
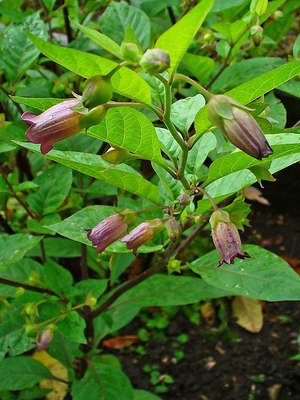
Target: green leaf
291, 87
19, 373
161, 290
72, 327
57, 248
129, 129
116, 18
64, 350
14, 247
56, 278
201, 67
282, 144
18, 52
13, 339
296, 48
199, 152
251, 90
102, 40
125, 81
102, 381
92, 287
143, 395
54, 186
264, 276
183, 111
242, 72
38, 103
277, 114
121, 176
114, 319
177, 39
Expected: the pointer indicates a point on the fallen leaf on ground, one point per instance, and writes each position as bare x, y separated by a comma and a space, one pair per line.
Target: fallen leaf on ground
274, 390
208, 312
120, 342
248, 313
59, 389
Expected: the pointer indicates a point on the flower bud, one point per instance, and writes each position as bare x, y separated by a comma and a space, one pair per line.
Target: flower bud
141, 234
97, 90
110, 230
184, 199
226, 237
173, 229
57, 123
45, 338
155, 61
238, 126
257, 34
130, 52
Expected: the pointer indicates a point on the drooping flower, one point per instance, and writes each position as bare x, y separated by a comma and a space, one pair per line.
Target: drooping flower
110, 229
45, 339
54, 124
238, 126
141, 234
226, 237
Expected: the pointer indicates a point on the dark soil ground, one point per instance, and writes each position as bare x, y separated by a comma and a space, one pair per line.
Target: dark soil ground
223, 361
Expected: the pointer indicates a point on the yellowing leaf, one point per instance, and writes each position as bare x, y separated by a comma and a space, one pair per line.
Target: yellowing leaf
59, 389
248, 313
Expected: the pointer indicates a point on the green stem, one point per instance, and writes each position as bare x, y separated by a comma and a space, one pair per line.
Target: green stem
196, 85
169, 124
208, 196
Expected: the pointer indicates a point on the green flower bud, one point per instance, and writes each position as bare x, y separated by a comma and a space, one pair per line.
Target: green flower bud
184, 199
257, 34
155, 61
130, 52
97, 90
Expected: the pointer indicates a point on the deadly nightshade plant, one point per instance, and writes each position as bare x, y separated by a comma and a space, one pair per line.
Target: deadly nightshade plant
159, 156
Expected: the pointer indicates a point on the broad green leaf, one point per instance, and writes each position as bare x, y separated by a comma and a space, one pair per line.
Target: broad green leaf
13, 339
74, 227
19, 373
224, 5
22, 270
18, 53
116, 18
72, 327
264, 276
125, 81
88, 287
115, 318
57, 248
129, 129
139, 394
291, 87
168, 144
198, 154
277, 114
283, 144
177, 39
121, 176
56, 278
64, 350
54, 186
200, 66
251, 90
103, 381
169, 187
183, 111
38, 103
296, 48
161, 290
14, 247
102, 40
243, 71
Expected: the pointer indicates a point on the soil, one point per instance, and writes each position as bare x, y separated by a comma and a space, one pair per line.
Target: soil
231, 363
